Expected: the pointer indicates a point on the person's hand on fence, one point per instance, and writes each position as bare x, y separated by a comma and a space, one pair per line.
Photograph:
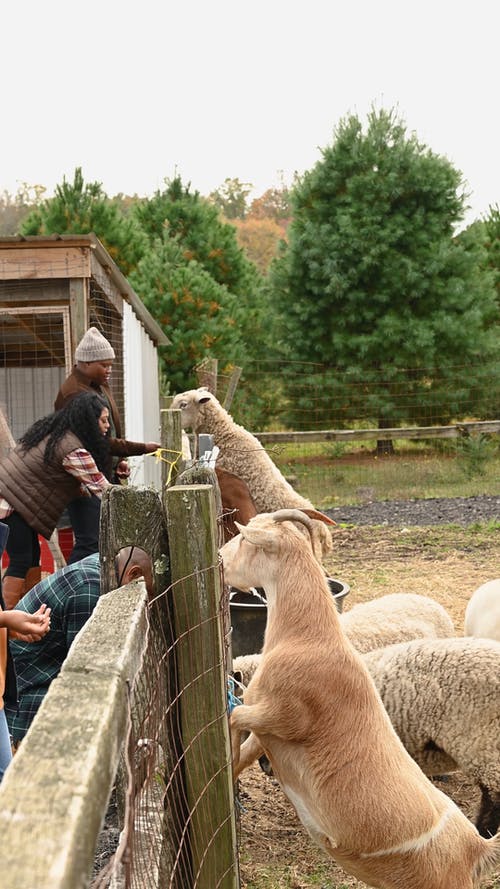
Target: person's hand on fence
27, 627
122, 469
152, 446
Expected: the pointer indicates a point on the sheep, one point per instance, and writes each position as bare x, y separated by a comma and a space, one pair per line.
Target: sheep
482, 615
336, 755
393, 618
443, 698
241, 453
396, 617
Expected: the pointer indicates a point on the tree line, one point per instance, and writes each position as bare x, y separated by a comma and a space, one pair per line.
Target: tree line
358, 267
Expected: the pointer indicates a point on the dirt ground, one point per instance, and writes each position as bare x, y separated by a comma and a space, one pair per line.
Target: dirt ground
444, 563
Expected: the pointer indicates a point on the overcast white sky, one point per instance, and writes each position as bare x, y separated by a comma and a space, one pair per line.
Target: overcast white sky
133, 92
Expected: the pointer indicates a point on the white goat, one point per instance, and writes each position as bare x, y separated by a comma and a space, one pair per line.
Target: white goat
313, 709
240, 452
482, 615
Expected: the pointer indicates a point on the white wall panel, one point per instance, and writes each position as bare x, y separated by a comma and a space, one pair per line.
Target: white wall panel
142, 400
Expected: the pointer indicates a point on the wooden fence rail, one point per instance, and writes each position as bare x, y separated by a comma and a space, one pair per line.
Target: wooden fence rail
417, 432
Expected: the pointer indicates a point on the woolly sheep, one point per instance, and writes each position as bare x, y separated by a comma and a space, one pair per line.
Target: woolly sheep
443, 698
396, 617
240, 452
482, 615
336, 755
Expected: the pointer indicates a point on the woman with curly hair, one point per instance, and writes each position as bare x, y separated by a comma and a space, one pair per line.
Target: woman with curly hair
57, 458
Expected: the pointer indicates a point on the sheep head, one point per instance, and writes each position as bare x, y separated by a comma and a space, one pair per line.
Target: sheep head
190, 404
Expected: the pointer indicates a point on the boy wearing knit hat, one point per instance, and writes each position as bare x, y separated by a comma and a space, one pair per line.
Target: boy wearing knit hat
94, 356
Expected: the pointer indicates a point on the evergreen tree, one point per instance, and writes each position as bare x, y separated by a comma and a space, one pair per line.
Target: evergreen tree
185, 230
197, 227
79, 208
492, 244
231, 198
373, 278
201, 317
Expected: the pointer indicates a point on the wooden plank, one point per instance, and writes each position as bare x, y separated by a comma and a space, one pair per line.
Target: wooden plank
416, 432
196, 592
78, 310
44, 262
103, 279
171, 440
231, 389
206, 372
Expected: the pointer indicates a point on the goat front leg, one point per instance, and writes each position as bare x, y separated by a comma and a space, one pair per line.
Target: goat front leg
249, 751
243, 754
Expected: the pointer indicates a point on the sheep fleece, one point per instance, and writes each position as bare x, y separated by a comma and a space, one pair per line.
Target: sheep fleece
445, 691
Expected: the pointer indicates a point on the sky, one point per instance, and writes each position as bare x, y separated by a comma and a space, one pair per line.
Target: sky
135, 93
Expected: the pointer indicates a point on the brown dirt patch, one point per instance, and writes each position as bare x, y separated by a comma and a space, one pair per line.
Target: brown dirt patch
444, 563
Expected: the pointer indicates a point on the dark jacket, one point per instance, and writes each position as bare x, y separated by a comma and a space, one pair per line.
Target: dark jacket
77, 383
39, 491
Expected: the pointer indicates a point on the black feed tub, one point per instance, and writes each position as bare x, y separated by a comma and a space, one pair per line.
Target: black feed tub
249, 616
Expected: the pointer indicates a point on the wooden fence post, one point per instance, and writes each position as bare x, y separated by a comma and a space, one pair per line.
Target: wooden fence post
202, 677
232, 385
207, 371
171, 440
135, 516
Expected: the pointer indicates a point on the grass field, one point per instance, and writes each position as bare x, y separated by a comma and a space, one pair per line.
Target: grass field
332, 474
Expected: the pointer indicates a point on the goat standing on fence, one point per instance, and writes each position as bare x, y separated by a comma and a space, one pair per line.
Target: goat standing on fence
313, 709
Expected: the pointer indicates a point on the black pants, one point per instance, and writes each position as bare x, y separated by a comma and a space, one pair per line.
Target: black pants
23, 548
84, 513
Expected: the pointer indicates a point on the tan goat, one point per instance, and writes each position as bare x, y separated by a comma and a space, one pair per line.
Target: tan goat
313, 709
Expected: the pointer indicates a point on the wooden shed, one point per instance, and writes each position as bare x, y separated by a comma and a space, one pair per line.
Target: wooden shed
51, 290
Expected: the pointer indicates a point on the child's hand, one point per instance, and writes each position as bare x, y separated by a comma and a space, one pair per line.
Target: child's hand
27, 627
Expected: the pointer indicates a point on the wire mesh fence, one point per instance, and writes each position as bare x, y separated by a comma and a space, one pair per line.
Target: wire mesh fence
396, 433
295, 395
174, 786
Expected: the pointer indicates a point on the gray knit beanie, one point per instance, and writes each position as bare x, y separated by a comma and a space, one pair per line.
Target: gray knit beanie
94, 347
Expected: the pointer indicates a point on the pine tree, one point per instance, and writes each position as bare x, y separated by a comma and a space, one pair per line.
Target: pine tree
79, 208
373, 278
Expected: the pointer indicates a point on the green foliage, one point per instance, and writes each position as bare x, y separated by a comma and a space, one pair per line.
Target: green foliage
231, 198
416, 472
79, 208
373, 277
201, 317
197, 283
15, 208
486, 233
475, 451
197, 227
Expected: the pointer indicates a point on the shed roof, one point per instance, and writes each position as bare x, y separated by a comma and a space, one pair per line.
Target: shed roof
91, 242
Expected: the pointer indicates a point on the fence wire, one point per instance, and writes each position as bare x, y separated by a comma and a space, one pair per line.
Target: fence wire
165, 829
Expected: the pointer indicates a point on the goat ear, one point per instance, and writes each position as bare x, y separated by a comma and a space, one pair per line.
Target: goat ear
259, 537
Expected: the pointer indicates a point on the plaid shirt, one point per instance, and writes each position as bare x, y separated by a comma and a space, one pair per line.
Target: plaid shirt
72, 594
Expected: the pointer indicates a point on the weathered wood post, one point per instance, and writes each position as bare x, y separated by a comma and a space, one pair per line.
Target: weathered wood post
232, 385
196, 591
207, 371
135, 516
171, 440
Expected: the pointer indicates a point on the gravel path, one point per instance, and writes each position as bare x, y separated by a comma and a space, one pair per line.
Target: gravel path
462, 511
